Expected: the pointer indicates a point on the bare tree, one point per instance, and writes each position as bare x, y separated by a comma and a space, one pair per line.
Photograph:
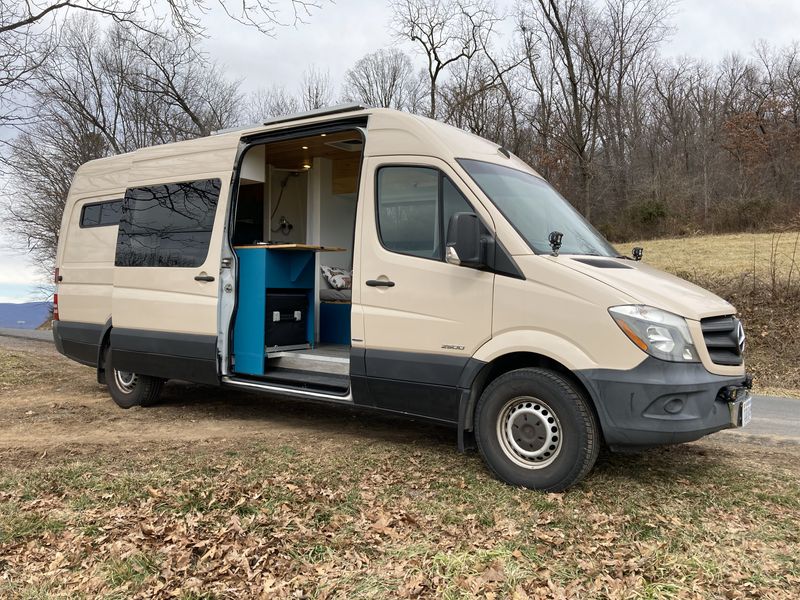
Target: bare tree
27, 26
168, 69
446, 31
316, 89
634, 29
104, 93
22, 51
561, 41
185, 15
484, 99
270, 102
384, 78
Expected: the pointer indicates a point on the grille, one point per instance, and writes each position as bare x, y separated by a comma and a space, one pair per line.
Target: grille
724, 339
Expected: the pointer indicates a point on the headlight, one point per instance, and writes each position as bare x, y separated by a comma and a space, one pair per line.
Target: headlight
659, 333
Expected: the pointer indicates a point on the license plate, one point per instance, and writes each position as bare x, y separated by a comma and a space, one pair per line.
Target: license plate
746, 412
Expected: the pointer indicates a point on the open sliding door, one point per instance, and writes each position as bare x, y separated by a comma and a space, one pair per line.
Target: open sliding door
167, 264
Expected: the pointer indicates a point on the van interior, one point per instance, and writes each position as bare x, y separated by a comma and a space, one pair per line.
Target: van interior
293, 234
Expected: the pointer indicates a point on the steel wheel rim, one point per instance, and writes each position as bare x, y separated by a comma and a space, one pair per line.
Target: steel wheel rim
529, 432
125, 380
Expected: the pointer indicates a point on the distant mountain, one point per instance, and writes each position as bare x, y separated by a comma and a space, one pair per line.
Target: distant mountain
27, 315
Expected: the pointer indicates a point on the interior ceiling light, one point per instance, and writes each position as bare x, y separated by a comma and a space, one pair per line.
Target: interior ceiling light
323, 134
306, 166
305, 147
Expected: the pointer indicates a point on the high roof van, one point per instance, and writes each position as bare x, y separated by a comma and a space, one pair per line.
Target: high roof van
382, 260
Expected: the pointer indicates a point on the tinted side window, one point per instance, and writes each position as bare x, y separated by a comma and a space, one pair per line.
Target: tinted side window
99, 214
408, 202
414, 207
167, 225
111, 213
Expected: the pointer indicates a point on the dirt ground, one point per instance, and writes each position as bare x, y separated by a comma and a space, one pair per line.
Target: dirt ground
55, 402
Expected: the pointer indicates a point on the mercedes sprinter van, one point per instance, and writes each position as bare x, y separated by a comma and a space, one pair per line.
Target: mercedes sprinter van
378, 259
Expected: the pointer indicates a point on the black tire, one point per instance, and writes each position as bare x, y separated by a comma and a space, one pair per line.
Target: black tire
535, 430
142, 390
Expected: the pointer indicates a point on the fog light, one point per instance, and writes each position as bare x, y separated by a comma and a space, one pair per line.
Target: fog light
674, 406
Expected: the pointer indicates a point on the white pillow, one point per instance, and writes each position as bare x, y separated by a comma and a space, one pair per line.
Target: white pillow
337, 278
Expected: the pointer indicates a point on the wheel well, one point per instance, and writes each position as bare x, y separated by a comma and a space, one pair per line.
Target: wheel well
520, 360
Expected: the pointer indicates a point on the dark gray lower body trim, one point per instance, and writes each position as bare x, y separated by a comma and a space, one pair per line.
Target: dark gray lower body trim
165, 354
658, 402
78, 341
419, 367
435, 402
410, 383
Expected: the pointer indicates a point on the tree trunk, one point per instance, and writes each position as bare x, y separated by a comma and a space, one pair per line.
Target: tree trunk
583, 201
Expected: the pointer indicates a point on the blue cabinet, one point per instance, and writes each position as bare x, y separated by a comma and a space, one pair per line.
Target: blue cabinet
264, 270
334, 323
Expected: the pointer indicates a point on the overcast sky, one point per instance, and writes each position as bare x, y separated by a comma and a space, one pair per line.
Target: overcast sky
338, 34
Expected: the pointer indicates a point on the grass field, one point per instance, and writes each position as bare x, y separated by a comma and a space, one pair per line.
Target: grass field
374, 516
732, 255
760, 275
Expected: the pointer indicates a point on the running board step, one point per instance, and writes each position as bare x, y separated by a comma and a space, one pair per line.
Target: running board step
323, 382
284, 390
297, 361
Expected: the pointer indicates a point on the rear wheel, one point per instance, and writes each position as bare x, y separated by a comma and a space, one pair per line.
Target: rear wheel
535, 430
129, 389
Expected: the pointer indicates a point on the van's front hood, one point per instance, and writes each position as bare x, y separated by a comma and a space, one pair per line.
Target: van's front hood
649, 286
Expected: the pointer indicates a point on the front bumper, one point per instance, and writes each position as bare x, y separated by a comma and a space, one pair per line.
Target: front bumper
659, 402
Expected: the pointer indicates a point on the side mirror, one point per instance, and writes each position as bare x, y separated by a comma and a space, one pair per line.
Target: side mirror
463, 246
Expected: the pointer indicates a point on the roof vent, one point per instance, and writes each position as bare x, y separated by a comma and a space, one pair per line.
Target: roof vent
317, 112
352, 145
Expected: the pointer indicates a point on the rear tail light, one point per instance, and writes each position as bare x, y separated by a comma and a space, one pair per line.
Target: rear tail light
56, 280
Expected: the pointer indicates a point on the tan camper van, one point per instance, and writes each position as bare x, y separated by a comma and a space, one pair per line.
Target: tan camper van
382, 260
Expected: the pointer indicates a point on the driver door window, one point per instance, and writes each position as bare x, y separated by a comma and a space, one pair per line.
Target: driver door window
413, 209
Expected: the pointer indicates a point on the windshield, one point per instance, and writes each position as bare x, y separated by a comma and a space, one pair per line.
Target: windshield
535, 209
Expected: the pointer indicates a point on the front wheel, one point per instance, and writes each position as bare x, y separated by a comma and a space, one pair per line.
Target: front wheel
535, 430
129, 389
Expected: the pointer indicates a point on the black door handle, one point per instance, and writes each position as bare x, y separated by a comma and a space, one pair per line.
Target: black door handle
204, 278
379, 283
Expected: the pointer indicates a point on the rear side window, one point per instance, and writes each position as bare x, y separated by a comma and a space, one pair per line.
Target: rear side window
100, 214
167, 225
414, 207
